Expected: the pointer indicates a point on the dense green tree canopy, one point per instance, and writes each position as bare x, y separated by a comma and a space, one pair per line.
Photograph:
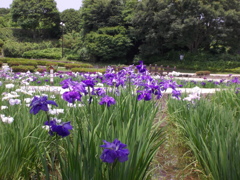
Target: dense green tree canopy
123, 29
101, 13
36, 14
186, 25
108, 43
72, 20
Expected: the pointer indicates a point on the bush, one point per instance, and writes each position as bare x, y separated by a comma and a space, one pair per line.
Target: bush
6, 34
41, 70
71, 65
234, 70
23, 68
1, 64
41, 62
201, 73
1, 43
73, 57
17, 49
61, 64
14, 63
29, 63
51, 53
88, 70
4, 60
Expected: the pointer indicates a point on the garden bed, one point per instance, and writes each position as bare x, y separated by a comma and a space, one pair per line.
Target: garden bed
129, 106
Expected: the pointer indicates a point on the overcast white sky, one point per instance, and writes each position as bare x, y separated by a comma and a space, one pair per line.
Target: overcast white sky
61, 4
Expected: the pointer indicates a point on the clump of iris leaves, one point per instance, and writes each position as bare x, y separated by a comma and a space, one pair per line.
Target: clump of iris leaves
99, 126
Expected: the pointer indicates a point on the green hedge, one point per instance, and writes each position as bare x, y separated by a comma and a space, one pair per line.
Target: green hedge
41, 70
73, 57
51, 53
83, 65
14, 63
17, 49
23, 68
234, 70
4, 60
89, 70
201, 73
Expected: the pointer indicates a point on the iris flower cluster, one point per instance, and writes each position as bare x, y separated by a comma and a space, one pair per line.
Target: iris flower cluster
41, 103
59, 129
115, 151
147, 87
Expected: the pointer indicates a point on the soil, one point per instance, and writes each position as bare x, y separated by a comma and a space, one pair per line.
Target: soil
174, 161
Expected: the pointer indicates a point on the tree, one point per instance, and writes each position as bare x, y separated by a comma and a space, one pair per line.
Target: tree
37, 15
72, 20
4, 17
101, 13
150, 29
109, 43
164, 25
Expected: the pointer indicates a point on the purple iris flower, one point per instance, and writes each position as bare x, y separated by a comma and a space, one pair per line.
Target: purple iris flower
107, 100
176, 94
72, 96
59, 129
89, 82
203, 83
194, 82
40, 103
80, 87
99, 92
114, 151
235, 80
141, 68
222, 80
67, 83
144, 94
216, 83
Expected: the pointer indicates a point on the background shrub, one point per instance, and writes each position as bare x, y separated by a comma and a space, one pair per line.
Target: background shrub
17, 49
23, 68
200, 73
41, 70
51, 53
14, 63
61, 64
29, 63
88, 70
41, 62
4, 60
82, 65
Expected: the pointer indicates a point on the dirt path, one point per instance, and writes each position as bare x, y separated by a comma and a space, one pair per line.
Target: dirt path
174, 161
